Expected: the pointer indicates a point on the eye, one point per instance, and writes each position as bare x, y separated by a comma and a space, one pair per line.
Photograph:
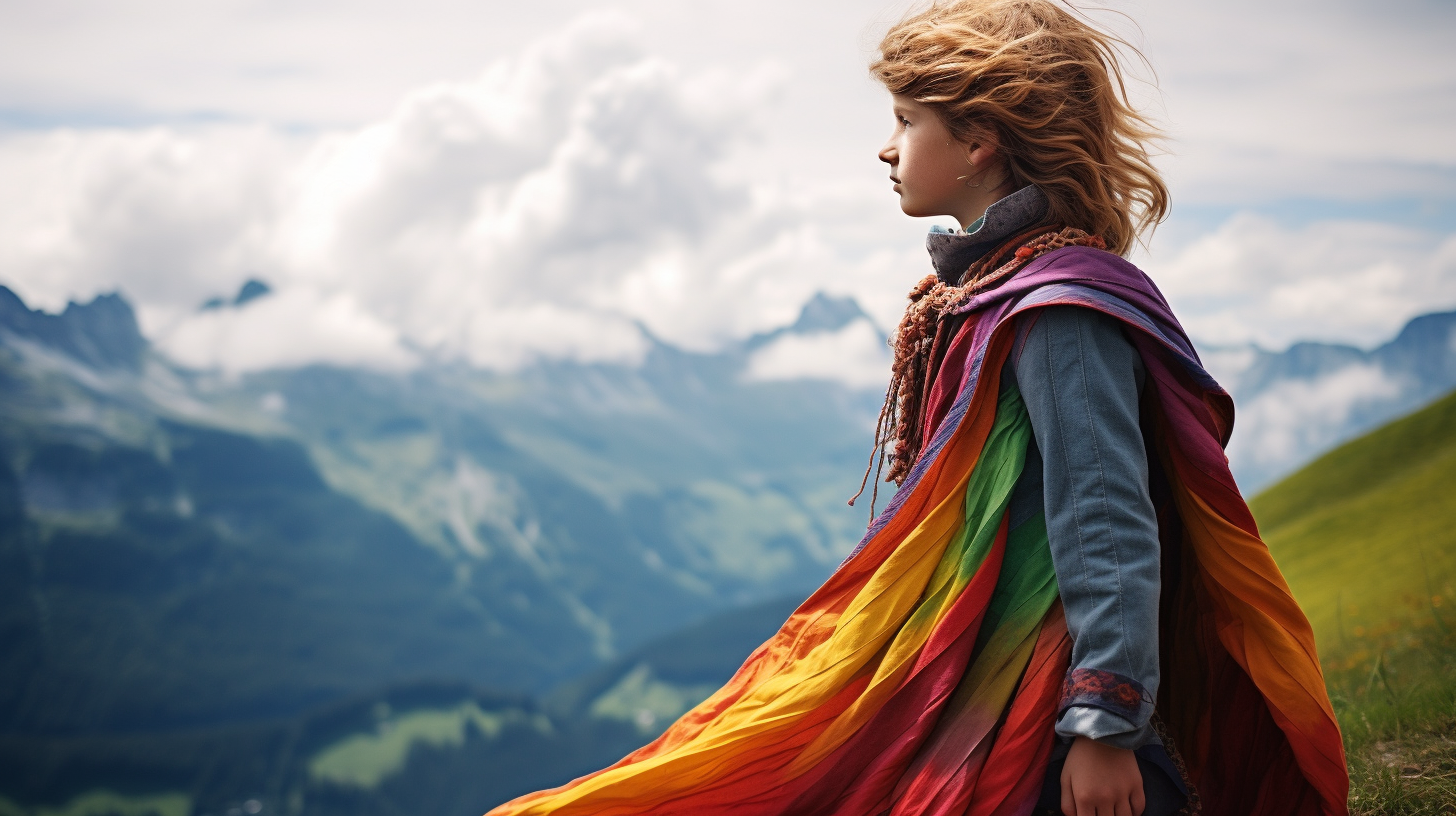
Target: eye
903, 121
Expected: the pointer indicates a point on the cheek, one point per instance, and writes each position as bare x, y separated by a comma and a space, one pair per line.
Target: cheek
927, 166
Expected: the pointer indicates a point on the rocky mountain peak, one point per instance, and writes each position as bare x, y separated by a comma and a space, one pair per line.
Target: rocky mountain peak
826, 313
102, 333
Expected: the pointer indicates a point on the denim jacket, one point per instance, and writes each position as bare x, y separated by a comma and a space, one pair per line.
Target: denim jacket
1087, 471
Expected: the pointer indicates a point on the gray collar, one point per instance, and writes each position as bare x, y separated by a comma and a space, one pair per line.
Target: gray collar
952, 252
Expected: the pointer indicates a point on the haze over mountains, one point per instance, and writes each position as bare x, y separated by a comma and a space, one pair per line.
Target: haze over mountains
1294, 404
187, 551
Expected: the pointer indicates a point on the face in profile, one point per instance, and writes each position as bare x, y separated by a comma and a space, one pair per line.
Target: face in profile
929, 167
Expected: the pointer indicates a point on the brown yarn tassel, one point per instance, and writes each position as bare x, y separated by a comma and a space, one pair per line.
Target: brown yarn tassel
924, 335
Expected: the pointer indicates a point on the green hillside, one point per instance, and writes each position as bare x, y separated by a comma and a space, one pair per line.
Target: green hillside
1366, 534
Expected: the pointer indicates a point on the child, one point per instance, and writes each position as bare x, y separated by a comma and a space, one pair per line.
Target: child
1066, 606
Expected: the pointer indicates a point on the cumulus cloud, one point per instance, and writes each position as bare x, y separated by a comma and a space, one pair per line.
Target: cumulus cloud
554, 207
855, 354
1255, 280
166, 216
319, 329
568, 198
1296, 419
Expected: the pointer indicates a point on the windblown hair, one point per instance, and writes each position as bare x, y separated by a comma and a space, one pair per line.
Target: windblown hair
1049, 87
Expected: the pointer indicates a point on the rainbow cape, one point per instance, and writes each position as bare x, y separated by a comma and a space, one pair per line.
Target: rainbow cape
924, 676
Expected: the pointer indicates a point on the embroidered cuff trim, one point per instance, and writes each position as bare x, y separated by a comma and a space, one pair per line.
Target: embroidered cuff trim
1106, 690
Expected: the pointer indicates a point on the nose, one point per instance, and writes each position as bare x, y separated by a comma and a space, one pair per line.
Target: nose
889, 154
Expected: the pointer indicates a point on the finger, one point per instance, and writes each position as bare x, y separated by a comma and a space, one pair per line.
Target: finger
1123, 807
1139, 802
1069, 805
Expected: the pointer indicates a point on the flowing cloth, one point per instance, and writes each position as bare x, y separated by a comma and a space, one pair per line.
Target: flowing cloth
924, 677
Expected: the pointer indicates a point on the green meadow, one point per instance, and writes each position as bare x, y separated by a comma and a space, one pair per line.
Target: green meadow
1366, 536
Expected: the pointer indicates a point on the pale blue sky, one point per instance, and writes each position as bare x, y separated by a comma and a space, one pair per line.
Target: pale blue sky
1318, 133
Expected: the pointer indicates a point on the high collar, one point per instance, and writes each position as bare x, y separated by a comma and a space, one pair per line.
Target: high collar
952, 252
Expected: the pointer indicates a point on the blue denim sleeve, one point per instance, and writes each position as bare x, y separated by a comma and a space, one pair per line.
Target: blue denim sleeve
1080, 378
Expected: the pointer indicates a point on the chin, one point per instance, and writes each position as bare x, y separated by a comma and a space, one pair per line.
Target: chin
910, 209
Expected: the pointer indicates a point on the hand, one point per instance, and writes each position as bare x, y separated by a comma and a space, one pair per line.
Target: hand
1100, 780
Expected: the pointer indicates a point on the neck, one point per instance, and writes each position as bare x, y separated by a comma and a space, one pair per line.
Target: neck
980, 199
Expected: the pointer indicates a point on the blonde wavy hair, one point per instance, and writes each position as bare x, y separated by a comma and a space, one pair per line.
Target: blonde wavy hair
1050, 88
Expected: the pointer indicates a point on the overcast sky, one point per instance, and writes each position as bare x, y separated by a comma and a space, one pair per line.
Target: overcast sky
504, 181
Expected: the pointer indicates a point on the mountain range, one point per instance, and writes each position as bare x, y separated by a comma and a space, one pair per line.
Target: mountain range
1297, 403
298, 536
318, 589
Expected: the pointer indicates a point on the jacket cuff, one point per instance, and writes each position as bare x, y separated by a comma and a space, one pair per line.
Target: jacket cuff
1104, 727
1109, 691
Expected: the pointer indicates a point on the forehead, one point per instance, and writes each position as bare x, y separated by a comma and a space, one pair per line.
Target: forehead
902, 102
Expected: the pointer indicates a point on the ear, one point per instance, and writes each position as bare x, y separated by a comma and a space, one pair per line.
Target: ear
982, 150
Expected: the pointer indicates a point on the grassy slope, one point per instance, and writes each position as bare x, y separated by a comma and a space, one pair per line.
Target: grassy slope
1366, 536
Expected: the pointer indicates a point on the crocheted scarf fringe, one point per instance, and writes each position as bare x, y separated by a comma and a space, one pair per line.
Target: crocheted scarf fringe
920, 341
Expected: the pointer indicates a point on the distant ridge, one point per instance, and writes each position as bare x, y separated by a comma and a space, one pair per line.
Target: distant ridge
1294, 404
821, 313
251, 290
825, 312
103, 333
1416, 350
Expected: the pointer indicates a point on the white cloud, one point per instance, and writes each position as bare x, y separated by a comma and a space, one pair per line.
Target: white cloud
1299, 98
1295, 419
584, 188
1268, 104
549, 208
166, 216
855, 354
1254, 280
1228, 363
290, 329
